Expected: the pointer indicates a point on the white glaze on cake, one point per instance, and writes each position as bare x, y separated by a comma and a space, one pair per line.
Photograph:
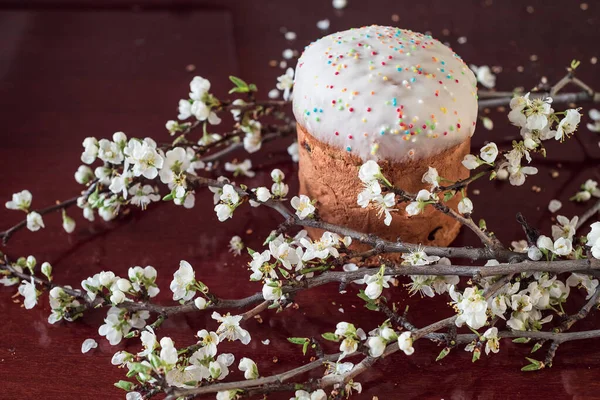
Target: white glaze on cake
384, 93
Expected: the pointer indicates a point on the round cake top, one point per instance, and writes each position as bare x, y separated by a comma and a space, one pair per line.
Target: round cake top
384, 93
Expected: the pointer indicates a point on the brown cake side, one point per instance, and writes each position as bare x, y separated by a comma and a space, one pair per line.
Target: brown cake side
330, 176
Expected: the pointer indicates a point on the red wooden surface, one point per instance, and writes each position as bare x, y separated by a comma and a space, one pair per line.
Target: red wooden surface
73, 69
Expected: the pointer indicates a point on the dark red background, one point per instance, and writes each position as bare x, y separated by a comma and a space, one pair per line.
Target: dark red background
74, 69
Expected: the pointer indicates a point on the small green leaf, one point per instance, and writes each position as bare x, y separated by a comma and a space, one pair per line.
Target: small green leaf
169, 197
125, 385
191, 383
284, 273
305, 347
363, 296
443, 353
482, 224
297, 340
534, 366
476, 355
237, 81
536, 347
521, 340
449, 195
331, 337
250, 251
252, 87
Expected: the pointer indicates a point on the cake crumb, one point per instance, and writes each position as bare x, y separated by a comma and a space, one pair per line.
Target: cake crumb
275, 360
530, 9
395, 17
476, 192
273, 63
536, 189
190, 68
594, 60
583, 6
554, 173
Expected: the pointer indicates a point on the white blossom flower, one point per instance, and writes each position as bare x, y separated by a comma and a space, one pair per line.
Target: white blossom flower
134, 396
339, 4
537, 112
375, 284
470, 161
84, 174
418, 257
584, 281
34, 221
465, 206
284, 253
534, 253
236, 112
376, 346
484, 76
371, 192
303, 206
554, 205
423, 198
249, 368
88, 344
562, 246
323, 24
253, 137
90, 150
200, 303
565, 228
489, 152
263, 194
595, 117
236, 245
148, 339
272, 290
304, 395
517, 107
369, 172
109, 151
405, 342
471, 306
29, 293
209, 341
20, 201
229, 195
244, 168
322, 248
384, 205
144, 157
432, 177
168, 352
224, 211
568, 124
285, 82
491, 343
143, 195
185, 109
199, 87
227, 395
518, 174
293, 152
183, 282
487, 123
176, 163
68, 223
114, 327
230, 328
256, 265
593, 239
